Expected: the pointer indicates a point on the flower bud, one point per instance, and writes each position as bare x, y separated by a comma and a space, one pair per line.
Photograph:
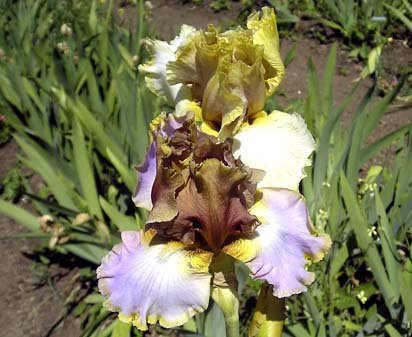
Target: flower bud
46, 222
135, 60
65, 29
148, 5
63, 48
81, 218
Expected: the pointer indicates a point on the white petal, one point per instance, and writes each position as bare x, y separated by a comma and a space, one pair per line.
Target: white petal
280, 144
148, 282
155, 69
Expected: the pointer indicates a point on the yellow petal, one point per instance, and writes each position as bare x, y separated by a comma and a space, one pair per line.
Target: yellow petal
196, 61
265, 33
249, 81
221, 107
186, 106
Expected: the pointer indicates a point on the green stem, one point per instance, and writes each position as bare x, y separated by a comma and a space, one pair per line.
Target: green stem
224, 292
269, 315
109, 11
228, 302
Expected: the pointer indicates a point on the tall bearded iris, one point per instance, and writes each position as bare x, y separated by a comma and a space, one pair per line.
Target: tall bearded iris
205, 206
220, 181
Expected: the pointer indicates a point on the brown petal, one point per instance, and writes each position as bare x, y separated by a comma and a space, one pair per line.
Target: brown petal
210, 204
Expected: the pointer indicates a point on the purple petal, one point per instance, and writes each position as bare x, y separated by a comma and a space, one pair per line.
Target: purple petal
278, 251
164, 125
146, 174
149, 283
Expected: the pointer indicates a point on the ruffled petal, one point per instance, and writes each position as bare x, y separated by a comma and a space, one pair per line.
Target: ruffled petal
155, 69
146, 174
281, 244
196, 61
148, 282
265, 33
223, 108
164, 125
280, 144
185, 107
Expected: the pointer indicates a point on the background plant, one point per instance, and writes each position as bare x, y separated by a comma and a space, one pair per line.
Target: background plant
365, 286
71, 91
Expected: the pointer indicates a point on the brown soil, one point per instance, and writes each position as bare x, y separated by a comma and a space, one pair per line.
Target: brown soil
29, 307
29, 310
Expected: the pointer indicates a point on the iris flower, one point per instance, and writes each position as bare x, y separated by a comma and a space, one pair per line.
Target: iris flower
206, 206
220, 181
225, 78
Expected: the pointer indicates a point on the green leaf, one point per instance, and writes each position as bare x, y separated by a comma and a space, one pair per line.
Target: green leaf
360, 227
371, 120
121, 329
290, 56
42, 163
127, 57
93, 298
338, 260
392, 331
125, 171
93, 19
331, 24
213, 322
400, 16
121, 221
390, 253
107, 145
19, 215
328, 81
298, 330
313, 308
86, 251
405, 281
7, 90
355, 141
370, 151
85, 171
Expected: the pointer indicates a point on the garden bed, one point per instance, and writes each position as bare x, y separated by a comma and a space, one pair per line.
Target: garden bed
32, 308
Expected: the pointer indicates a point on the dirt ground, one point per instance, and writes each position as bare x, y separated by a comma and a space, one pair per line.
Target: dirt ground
30, 310
29, 307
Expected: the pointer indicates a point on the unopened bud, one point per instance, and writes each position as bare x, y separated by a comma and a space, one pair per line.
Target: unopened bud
64, 239
148, 5
57, 230
81, 218
53, 242
63, 47
46, 222
65, 29
144, 43
135, 60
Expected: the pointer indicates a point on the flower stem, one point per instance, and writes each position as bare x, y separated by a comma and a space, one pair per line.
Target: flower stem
224, 292
229, 304
269, 315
